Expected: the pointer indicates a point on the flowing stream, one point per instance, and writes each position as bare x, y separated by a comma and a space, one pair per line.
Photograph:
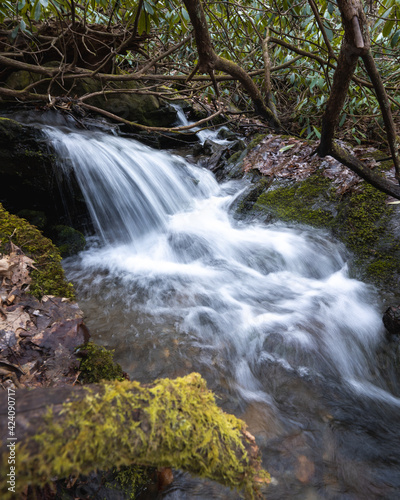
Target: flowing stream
266, 313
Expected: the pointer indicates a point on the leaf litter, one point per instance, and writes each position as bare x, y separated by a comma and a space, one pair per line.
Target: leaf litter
37, 337
295, 159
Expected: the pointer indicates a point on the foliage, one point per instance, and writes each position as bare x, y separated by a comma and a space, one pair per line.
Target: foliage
238, 30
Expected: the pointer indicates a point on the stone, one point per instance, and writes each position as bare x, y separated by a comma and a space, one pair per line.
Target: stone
391, 320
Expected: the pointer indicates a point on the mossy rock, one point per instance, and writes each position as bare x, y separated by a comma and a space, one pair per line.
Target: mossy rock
97, 364
68, 240
140, 108
171, 423
306, 202
48, 278
18, 80
361, 219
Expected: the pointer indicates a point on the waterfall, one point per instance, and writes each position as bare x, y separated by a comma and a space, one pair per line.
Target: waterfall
129, 192
267, 313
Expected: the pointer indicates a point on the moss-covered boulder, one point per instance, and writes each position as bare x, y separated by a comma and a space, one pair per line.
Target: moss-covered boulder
136, 105
48, 276
68, 240
291, 185
97, 364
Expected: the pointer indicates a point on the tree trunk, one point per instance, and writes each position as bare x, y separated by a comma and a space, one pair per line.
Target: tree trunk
58, 432
209, 61
356, 43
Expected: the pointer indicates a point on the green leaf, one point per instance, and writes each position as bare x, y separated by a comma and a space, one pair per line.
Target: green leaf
387, 29
317, 132
148, 8
329, 34
185, 14
38, 11
14, 32
286, 148
395, 39
144, 23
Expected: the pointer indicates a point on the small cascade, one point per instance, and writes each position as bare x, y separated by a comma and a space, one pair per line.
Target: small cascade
129, 192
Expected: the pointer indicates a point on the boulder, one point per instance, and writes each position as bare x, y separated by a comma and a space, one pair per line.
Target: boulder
138, 107
287, 182
29, 181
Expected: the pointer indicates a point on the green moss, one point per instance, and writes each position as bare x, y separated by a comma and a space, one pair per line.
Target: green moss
383, 268
97, 364
48, 278
366, 218
364, 229
256, 141
68, 240
383, 164
174, 423
302, 202
236, 157
130, 480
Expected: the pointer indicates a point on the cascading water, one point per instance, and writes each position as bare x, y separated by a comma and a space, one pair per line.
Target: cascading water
267, 314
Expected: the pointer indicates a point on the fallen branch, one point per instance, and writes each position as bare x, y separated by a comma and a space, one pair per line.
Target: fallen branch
145, 127
174, 423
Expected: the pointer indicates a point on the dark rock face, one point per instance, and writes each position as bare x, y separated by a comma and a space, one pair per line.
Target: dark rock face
29, 180
391, 320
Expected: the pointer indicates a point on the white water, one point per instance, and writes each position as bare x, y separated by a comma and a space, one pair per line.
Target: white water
246, 295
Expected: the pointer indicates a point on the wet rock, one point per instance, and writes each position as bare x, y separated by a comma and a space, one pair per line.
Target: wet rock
41, 336
30, 183
226, 133
391, 320
217, 155
69, 240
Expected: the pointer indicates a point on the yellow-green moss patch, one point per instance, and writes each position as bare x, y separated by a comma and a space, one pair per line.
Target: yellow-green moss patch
174, 423
301, 202
48, 278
